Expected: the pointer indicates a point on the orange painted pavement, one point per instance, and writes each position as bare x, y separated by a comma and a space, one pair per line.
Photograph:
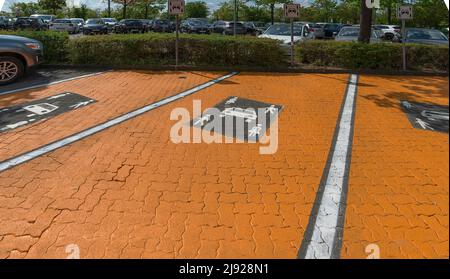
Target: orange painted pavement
130, 192
399, 178
116, 93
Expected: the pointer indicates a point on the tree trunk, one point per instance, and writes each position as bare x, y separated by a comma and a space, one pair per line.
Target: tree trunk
146, 11
389, 15
109, 8
365, 23
124, 9
272, 13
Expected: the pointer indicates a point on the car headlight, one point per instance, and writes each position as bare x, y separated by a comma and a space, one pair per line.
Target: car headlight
35, 46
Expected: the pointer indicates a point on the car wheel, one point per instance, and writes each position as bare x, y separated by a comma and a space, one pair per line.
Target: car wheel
11, 69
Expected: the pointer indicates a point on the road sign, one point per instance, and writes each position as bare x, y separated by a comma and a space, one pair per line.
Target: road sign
28, 113
176, 7
239, 118
292, 10
405, 12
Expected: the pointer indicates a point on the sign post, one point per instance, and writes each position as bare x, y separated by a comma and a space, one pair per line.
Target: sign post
292, 11
404, 13
176, 7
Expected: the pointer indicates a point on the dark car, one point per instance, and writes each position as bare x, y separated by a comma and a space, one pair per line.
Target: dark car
251, 28
162, 25
227, 28
194, 26
28, 23
95, 26
147, 24
5, 22
17, 55
126, 26
330, 30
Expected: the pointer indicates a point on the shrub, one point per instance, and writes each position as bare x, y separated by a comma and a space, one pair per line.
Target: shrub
55, 43
384, 56
159, 49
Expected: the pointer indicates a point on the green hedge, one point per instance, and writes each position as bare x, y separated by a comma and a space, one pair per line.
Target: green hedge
55, 43
159, 49
384, 56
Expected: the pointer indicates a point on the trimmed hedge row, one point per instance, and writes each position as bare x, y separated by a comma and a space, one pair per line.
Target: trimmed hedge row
55, 43
159, 49
383, 56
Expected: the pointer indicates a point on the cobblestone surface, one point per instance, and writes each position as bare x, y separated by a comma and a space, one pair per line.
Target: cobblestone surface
399, 181
129, 192
116, 92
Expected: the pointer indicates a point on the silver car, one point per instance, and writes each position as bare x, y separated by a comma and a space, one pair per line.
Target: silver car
425, 36
351, 34
64, 25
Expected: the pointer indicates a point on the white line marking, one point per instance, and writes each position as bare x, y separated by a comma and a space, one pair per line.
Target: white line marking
324, 232
52, 83
75, 137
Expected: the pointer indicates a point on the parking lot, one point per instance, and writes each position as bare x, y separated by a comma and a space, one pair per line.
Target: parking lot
108, 179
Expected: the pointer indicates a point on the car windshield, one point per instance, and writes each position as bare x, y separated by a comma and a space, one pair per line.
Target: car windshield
109, 20
159, 21
349, 32
94, 21
43, 17
331, 26
423, 34
77, 20
62, 21
284, 30
133, 21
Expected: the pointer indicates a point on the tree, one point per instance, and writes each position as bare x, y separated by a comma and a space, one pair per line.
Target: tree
271, 4
196, 9
52, 5
430, 14
326, 9
25, 9
347, 11
124, 4
365, 29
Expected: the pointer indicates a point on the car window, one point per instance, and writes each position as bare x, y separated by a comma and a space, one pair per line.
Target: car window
62, 21
94, 21
349, 32
284, 30
419, 34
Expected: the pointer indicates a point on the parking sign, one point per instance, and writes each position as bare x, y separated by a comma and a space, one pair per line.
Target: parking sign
405, 12
176, 7
292, 10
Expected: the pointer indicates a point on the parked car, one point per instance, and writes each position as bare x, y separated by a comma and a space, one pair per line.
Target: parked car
64, 25
282, 32
95, 26
351, 33
390, 32
192, 25
330, 30
162, 25
126, 26
17, 56
4, 22
227, 28
147, 24
260, 26
251, 28
79, 22
110, 23
316, 30
28, 23
45, 18
425, 36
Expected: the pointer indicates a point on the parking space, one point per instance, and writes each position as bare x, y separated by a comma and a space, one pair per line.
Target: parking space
398, 187
115, 93
129, 191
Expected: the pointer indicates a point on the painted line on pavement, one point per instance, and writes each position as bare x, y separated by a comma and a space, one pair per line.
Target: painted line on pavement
12, 162
323, 236
52, 83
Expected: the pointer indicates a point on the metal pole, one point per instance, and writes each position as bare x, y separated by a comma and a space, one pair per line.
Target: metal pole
176, 43
404, 44
292, 42
235, 18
